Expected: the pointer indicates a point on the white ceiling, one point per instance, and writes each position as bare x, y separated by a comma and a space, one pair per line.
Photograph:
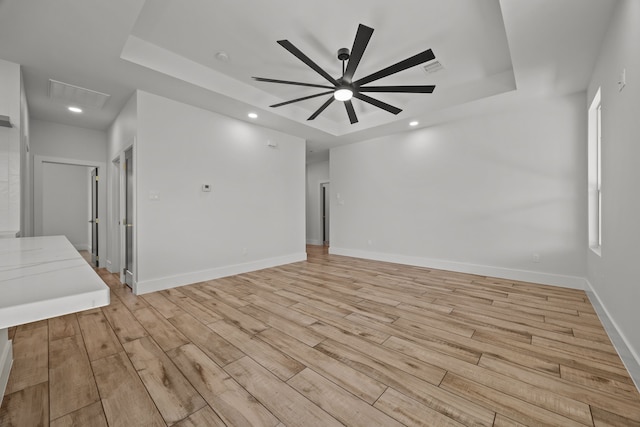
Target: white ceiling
488, 49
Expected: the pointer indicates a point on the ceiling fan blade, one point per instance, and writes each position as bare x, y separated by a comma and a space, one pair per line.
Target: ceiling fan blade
377, 103
421, 57
301, 99
322, 108
286, 82
398, 89
304, 58
359, 45
351, 112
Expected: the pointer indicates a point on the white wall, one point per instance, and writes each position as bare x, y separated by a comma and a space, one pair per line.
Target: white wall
317, 173
254, 216
65, 202
480, 195
614, 275
10, 148
69, 142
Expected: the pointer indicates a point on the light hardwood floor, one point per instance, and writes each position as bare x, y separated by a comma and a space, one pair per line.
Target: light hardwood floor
330, 341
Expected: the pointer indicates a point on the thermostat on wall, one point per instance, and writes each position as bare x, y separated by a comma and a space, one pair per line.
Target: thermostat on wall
206, 187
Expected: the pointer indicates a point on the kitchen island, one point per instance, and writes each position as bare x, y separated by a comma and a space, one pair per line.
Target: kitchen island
40, 278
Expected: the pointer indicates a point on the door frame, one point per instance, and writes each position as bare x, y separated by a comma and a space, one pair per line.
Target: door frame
322, 212
38, 166
118, 199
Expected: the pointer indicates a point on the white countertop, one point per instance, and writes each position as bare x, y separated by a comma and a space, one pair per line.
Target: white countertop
44, 277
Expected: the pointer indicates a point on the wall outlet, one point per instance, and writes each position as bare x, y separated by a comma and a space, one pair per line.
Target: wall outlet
535, 257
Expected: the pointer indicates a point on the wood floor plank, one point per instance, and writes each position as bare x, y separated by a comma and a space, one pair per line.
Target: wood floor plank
343, 405
360, 329
160, 329
274, 360
514, 408
172, 393
203, 417
92, 415
603, 418
125, 400
123, 323
216, 347
434, 320
408, 364
99, 338
161, 303
63, 327
623, 388
284, 311
191, 306
350, 379
547, 399
502, 421
284, 402
590, 396
71, 382
411, 412
290, 328
26, 407
451, 344
31, 358
554, 356
126, 296
441, 401
232, 403
235, 316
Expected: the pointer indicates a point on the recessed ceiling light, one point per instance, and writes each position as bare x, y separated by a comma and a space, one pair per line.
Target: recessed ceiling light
252, 115
75, 109
414, 123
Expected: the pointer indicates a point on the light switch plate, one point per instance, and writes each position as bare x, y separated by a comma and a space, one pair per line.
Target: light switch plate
622, 80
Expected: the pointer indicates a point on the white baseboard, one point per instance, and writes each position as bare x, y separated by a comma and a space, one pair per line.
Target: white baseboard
6, 360
315, 242
573, 282
109, 266
629, 357
152, 285
84, 247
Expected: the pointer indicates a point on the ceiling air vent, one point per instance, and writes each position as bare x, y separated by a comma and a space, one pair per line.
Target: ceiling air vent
70, 94
433, 67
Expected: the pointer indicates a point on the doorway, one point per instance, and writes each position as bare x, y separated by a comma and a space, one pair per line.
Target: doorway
69, 200
93, 184
324, 212
129, 218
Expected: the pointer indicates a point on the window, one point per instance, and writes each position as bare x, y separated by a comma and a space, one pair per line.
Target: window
595, 174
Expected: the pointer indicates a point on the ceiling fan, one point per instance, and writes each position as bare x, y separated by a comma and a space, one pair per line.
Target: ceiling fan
344, 88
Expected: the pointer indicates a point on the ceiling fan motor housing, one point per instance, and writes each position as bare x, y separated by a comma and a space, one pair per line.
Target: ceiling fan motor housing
343, 54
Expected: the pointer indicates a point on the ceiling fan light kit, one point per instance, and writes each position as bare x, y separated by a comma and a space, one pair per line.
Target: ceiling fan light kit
344, 88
